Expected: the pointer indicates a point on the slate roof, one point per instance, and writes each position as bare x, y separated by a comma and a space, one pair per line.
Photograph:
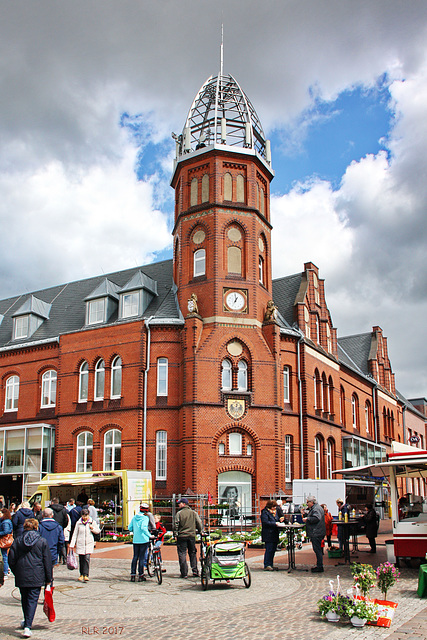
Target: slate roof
285, 291
68, 308
354, 351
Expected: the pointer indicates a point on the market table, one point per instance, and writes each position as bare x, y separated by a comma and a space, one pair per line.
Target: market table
290, 529
349, 529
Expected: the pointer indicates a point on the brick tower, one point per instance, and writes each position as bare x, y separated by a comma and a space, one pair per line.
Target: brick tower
222, 268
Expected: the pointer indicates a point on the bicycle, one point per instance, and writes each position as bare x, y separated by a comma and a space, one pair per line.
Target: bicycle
154, 560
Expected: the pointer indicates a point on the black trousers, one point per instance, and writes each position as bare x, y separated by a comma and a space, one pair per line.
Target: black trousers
84, 562
373, 544
138, 560
29, 600
184, 545
316, 543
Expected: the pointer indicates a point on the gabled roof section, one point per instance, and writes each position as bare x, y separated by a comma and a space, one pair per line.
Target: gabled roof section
355, 351
35, 306
104, 289
285, 291
68, 308
140, 280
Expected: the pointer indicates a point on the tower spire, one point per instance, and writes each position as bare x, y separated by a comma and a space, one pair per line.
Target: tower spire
221, 70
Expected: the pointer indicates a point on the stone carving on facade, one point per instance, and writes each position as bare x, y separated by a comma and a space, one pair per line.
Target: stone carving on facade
270, 312
192, 305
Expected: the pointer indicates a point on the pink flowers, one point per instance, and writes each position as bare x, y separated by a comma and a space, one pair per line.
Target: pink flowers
387, 576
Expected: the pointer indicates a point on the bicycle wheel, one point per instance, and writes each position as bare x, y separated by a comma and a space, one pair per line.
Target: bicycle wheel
157, 568
205, 575
150, 569
247, 580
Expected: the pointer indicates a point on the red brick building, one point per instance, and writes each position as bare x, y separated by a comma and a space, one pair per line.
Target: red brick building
201, 369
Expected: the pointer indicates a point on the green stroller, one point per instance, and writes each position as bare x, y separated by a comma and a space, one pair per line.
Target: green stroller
223, 561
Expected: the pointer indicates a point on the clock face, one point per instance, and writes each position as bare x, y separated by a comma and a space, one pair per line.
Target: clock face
235, 300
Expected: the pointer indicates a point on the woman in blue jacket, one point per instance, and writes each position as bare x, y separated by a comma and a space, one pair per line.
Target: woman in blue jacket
6, 528
141, 537
269, 533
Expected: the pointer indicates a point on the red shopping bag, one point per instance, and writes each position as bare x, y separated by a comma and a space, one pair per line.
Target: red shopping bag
48, 607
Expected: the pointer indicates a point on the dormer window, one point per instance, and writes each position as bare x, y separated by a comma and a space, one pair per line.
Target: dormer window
130, 304
96, 311
29, 317
102, 303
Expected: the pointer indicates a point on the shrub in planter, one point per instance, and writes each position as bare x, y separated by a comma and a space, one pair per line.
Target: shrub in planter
387, 576
364, 576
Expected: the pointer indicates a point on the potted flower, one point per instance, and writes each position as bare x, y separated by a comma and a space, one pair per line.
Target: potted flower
387, 576
334, 604
361, 611
364, 577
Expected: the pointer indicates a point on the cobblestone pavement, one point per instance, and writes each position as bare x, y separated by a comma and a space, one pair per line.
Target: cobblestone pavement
278, 604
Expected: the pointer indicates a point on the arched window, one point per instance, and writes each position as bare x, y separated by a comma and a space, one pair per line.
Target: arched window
286, 381
12, 394
99, 380
162, 376
199, 262
83, 382
112, 450
228, 187
325, 393
261, 200
234, 260
205, 188
318, 396
116, 377
307, 322
242, 376
226, 375
317, 328
330, 454
331, 396
288, 458
49, 379
392, 425
355, 411
161, 455
318, 445
368, 416
194, 192
328, 338
385, 422
235, 444
84, 451
261, 273
240, 188
342, 406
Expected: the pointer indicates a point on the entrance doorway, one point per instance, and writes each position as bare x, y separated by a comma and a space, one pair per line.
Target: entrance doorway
11, 488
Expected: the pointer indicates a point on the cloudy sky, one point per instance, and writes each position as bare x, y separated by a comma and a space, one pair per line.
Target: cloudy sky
91, 90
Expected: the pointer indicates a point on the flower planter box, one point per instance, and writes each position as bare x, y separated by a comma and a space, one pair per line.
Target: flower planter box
386, 610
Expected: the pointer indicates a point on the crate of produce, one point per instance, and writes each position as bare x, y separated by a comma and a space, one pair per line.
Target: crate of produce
335, 553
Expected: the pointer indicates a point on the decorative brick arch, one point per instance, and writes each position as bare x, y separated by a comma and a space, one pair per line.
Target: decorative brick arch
46, 367
237, 222
80, 429
236, 426
202, 225
109, 427
236, 467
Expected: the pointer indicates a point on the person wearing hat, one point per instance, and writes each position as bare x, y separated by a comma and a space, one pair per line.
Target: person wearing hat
141, 537
186, 525
316, 530
144, 507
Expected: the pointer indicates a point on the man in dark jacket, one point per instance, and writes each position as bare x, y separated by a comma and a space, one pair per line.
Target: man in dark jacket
371, 520
187, 522
31, 563
19, 518
316, 530
59, 512
269, 533
53, 533
75, 515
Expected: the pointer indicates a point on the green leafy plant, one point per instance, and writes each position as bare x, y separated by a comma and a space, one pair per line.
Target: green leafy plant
336, 602
387, 576
364, 576
362, 609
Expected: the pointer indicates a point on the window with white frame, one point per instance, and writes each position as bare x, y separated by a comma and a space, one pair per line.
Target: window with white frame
286, 378
116, 377
112, 450
199, 262
99, 380
367, 417
261, 269
226, 375
235, 444
161, 455
49, 379
221, 449
249, 449
317, 458
355, 410
83, 382
12, 394
162, 376
96, 311
130, 304
242, 376
329, 460
288, 458
84, 451
21, 327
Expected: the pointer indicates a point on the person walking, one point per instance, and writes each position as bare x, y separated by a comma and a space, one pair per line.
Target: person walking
31, 563
23, 512
53, 533
316, 529
187, 523
6, 538
328, 524
370, 520
141, 537
269, 533
83, 542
